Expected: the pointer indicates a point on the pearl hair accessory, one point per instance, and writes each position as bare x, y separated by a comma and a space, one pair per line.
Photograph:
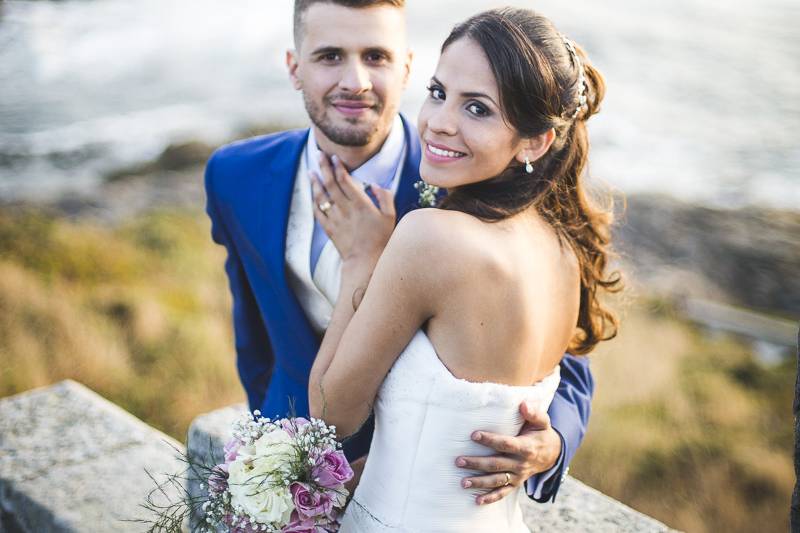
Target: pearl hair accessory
581, 75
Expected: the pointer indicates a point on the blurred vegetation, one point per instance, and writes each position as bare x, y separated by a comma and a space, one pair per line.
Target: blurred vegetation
139, 313
686, 427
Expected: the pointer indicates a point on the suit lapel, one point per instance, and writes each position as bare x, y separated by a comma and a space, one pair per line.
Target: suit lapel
407, 197
275, 200
292, 336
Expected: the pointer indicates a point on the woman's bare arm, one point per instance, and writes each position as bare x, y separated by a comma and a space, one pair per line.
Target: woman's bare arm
360, 346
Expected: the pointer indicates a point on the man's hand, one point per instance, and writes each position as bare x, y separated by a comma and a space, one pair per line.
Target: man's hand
357, 228
536, 449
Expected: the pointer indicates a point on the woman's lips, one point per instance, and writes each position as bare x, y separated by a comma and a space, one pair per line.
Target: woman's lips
442, 154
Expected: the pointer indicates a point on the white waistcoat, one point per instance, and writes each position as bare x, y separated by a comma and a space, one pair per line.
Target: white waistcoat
316, 293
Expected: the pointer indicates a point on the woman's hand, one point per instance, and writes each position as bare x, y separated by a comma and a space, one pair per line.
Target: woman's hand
358, 228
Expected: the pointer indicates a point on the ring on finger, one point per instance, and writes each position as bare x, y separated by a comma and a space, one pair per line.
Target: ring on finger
325, 207
508, 479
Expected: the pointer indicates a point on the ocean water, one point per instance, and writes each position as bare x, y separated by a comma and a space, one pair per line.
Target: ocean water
703, 97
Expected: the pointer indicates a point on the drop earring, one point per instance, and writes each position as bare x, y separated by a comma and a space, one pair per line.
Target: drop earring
528, 166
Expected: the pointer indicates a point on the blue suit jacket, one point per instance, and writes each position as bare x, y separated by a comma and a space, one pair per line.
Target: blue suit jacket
249, 186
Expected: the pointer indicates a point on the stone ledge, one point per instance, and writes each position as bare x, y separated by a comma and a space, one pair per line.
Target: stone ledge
578, 507
72, 461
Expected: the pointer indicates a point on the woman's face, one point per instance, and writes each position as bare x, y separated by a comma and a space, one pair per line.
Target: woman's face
464, 136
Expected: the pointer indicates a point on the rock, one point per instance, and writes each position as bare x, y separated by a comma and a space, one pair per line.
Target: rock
182, 156
577, 508
175, 157
748, 257
72, 461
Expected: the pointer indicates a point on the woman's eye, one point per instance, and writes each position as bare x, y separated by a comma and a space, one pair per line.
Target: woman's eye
477, 110
436, 93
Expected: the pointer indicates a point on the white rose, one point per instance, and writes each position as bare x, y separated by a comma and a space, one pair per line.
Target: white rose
251, 482
274, 451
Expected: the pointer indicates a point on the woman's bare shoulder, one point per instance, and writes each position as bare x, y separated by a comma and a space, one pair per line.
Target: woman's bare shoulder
439, 244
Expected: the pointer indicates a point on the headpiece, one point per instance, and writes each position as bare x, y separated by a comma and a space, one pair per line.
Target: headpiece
576, 60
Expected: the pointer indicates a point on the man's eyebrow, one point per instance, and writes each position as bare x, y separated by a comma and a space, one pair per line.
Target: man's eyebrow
324, 50
467, 94
380, 50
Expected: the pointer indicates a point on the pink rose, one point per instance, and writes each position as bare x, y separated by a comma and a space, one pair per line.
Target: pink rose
310, 503
332, 469
232, 450
291, 426
300, 525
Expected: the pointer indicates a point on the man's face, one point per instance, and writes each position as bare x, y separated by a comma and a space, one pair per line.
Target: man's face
352, 65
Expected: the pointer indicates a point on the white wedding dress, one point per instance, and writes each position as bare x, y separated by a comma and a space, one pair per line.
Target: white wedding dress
424, 417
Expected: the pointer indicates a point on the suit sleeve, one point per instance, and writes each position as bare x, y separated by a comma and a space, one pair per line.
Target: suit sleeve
569, 416
254, 357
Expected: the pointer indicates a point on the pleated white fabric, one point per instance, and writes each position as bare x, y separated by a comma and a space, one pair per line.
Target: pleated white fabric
424, 417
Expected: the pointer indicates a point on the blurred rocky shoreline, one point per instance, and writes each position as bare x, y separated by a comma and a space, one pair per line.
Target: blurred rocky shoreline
748, 257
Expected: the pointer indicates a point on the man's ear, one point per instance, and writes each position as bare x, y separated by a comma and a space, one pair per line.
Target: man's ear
534, 148
292, 65
407, 66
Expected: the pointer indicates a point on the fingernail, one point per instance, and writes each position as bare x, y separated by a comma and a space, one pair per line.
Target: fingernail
461, 462
476, 436
335, 159
466, 483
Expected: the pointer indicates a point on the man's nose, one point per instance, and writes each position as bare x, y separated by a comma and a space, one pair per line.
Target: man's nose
355, 78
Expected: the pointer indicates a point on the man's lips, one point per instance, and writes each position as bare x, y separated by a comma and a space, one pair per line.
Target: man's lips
351, 107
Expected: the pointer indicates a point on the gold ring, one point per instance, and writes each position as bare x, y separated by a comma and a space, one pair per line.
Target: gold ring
325, 207
508, 479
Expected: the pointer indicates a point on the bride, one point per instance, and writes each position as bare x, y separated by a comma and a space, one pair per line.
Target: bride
461, 312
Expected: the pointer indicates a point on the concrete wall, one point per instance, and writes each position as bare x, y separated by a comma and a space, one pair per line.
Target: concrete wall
70, 461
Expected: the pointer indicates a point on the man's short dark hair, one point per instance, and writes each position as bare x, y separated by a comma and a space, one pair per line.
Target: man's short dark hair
301, 6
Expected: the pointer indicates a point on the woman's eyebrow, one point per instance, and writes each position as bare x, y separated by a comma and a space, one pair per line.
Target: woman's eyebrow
467, 94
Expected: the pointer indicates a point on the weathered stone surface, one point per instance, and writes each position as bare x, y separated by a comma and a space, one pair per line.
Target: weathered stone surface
72, 461
578, 508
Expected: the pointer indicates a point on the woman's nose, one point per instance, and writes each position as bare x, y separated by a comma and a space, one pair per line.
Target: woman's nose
442, 120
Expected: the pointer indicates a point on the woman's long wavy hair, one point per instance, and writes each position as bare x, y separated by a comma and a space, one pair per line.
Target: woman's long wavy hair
540, 87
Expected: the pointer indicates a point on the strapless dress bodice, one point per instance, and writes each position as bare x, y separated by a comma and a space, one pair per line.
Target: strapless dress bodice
424, 417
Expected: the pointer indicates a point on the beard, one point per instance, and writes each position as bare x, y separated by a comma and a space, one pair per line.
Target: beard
356, 133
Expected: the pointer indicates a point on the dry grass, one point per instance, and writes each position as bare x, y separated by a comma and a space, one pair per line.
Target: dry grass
685, 428
689, 429
138, 313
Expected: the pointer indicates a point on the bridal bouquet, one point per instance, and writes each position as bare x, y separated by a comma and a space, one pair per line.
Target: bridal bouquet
284, 475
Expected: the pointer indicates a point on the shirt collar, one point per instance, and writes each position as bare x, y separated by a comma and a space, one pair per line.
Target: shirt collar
381, 168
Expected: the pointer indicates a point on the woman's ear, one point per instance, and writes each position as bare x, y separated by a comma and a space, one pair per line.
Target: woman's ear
534, 148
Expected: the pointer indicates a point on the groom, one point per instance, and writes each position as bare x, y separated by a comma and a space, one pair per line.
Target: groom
351, 63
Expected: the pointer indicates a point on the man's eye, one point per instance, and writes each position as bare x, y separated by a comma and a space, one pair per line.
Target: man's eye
477, 110
376, 58
330, 57
436, 92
